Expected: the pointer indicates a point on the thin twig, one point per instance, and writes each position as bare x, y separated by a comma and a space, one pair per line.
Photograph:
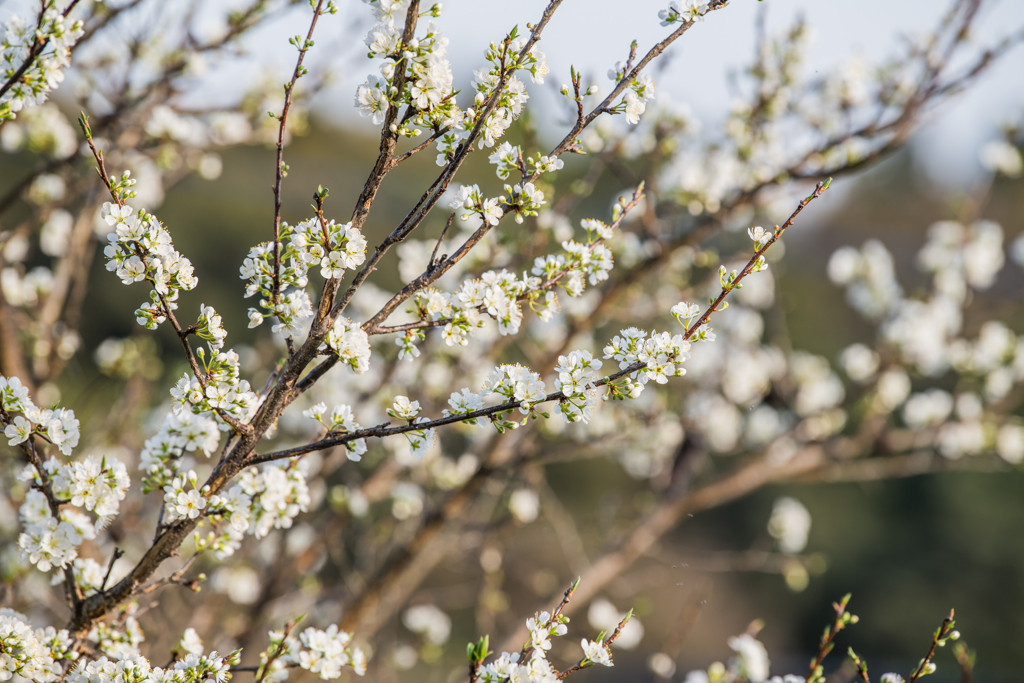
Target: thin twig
941, 634
434, 261
110, 567
279, 173
828, 638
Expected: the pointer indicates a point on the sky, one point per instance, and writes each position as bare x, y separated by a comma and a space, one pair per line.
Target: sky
594, 34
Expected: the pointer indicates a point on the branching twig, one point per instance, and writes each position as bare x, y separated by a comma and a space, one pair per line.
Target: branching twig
843, 618
280, 171
942, 634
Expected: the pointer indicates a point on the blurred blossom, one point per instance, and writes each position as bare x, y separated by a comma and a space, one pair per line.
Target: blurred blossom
46, 188
1010, 443
764, 423
927, 408
53, 239
957, 439
790, 524
922, 332
893, 388
968, 406
859, 362
404, 657
191, 642
428, 621
603, 616
1017, 250
999, 156
42, 130
954, 251
241, 584
662, 665
719, 420
524, 505
819, 387
869, 275
751, 660
16, 248
407, 500
210, 166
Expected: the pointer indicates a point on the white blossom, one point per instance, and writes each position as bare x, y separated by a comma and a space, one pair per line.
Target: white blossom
351, 343
597, 652
325, 652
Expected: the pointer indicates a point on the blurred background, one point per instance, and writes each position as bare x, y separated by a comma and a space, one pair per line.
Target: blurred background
909, 549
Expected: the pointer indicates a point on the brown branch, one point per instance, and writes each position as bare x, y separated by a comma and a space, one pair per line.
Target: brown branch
419, 148
434, 272
279, 173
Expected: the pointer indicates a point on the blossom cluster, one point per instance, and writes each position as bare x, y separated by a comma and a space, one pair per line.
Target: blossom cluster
350, 343
340, 421
35, 655
217, 392
58, 426
98, 485
499, 293
640, 91
140, 248
427, 90
134, 668
335, 247
323, 652
542, 627
516, 383
326, 652
261, 500
420, 440
498, 83
95, 484
180, 503
279, 492
663, 354
465, 401
46, 71
180, 432
682, 11
294, 306
577, 373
